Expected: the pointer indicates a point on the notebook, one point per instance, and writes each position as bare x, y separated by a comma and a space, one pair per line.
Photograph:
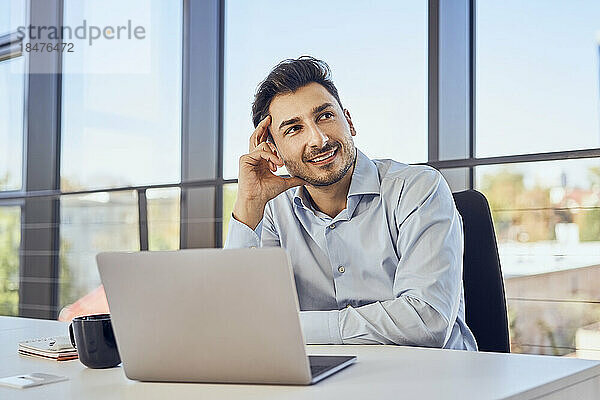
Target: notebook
57, 348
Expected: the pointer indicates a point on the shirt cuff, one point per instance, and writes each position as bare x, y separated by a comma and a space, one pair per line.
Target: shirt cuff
241, 236
321, 327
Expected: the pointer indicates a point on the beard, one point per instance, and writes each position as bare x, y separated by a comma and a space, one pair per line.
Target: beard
346, 153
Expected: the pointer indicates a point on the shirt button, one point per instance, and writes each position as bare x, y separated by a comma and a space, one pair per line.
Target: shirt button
341, 269
332, 226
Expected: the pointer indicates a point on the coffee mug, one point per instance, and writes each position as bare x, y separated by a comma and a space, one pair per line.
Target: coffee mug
94, 339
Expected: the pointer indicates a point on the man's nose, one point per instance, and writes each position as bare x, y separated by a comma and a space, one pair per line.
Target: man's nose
318, 138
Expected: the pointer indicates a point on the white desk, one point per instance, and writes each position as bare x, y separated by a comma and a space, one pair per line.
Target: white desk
382, 372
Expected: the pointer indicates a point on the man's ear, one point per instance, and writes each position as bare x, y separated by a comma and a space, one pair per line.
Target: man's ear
349, 119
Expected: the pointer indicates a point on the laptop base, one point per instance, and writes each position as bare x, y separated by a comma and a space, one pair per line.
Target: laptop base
323, 366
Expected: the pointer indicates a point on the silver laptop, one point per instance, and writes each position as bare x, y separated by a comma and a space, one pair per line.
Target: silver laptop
210, 315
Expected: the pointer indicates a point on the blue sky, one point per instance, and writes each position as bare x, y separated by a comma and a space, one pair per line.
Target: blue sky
11, 101
123, 128
377, 54
537, 76
537, 84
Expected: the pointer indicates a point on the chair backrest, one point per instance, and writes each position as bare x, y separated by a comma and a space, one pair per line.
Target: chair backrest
485, 302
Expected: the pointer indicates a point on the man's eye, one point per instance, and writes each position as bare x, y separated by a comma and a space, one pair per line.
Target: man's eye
293, 129
326, 115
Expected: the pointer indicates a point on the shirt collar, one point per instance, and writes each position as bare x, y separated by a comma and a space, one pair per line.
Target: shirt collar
365, 180
301, 197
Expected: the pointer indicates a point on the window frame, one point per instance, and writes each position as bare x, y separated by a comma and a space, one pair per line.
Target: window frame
451, 136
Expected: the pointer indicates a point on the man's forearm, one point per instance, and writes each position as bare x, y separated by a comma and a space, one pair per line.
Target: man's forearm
241, 236
264, 234
249, 213
402, 321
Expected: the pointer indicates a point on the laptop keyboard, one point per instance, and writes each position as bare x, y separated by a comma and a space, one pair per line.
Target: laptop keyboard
321, 366
317, 369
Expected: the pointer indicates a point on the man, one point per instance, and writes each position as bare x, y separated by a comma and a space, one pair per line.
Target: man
376, 245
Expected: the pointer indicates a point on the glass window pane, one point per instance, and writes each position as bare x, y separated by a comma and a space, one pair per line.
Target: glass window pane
552, 328
163, 218
539, 208
12, 103
10, 242
89, 224
229, 196
122, 98
547, 221
379, 68
537, 76
12, 15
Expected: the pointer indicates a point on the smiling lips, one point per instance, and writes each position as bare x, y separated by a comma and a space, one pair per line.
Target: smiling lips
324, 158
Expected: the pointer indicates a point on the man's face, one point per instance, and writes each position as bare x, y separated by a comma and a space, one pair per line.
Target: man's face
313, 135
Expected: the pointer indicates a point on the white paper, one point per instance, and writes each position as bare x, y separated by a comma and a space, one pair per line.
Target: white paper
29, 380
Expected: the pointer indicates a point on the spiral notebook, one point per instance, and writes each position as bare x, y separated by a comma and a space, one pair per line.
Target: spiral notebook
57, 348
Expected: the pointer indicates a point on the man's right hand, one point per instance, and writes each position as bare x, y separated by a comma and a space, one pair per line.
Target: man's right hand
92, 303
257, 183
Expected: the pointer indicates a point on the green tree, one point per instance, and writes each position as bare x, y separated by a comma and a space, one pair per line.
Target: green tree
589, 221
163, 221
66, 289
10, 239
508, 196
229, 196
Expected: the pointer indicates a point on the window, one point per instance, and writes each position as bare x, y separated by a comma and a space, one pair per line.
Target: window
12, 106
12, 103
163, 218
229, 196
537, 91
537, 76
378, 60
10, 239
12, 15
546, 214
91, 223
121, 127
121, 121
547, 221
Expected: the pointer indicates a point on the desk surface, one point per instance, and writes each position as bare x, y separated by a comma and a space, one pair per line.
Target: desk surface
381, 372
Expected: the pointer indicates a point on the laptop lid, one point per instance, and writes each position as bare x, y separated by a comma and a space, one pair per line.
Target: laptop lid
206, 315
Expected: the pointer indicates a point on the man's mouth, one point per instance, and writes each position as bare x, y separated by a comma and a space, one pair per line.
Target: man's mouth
324, 158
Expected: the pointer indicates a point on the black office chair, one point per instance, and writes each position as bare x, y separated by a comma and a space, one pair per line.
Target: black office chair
485, 303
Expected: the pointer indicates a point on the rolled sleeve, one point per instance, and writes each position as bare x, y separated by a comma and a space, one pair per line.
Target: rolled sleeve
321, 327
241, 236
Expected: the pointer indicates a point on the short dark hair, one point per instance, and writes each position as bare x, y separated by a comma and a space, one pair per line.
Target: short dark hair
287, 77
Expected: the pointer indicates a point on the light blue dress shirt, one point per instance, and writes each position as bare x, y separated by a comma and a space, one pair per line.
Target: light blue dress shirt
387, 269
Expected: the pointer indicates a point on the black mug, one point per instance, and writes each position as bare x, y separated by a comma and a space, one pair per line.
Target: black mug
94, 339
